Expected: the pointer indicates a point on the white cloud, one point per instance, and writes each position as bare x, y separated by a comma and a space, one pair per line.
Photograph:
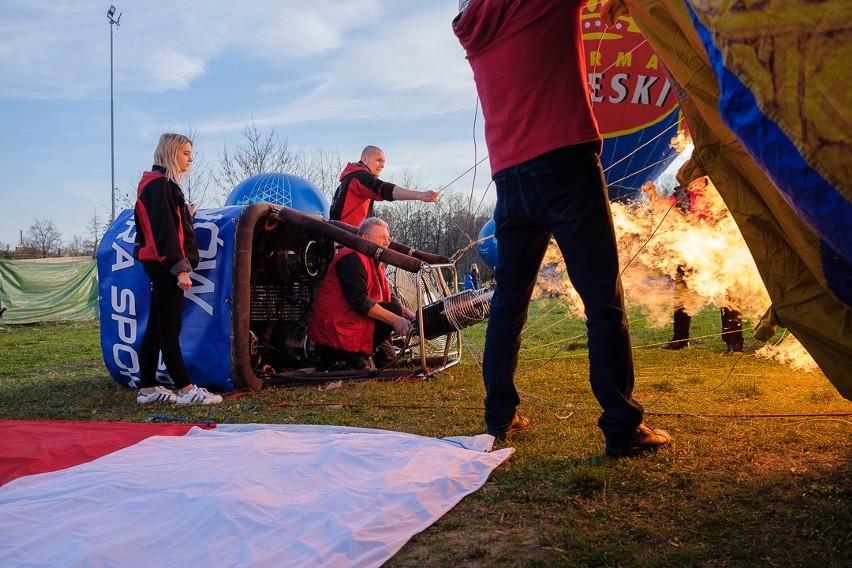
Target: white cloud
418, 51
396, 62
329, 73
61, 49
406, 64
40, 52
170, 70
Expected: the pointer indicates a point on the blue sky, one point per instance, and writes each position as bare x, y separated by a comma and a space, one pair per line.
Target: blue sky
336, 74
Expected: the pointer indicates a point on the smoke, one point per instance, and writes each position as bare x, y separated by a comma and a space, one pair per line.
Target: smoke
789, 352
654, 238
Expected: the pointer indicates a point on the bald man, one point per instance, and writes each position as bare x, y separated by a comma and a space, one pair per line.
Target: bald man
360, 187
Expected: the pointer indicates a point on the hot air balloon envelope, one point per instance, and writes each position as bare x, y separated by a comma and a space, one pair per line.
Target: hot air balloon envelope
633, 101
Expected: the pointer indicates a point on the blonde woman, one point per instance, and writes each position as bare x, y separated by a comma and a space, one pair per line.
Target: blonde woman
165, 244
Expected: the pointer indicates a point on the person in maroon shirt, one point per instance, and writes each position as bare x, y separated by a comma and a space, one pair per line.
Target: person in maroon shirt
543, 144
360, 187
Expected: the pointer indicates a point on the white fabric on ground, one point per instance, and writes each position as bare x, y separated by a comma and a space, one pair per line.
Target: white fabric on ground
250, 495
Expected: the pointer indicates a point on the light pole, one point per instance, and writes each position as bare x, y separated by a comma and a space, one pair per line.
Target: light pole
112, 21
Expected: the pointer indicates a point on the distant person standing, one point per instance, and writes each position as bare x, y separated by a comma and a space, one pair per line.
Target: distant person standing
543, 143
360, 187
165, 244
693, 202
471, 280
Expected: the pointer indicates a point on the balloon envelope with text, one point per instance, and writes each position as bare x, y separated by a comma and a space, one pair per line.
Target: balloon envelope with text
634, 103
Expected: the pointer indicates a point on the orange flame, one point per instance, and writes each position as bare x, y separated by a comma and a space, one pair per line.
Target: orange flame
654, 240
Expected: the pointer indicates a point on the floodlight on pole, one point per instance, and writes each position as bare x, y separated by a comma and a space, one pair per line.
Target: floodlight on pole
112, 21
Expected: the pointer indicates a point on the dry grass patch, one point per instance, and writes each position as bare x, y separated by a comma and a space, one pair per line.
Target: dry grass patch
741, 484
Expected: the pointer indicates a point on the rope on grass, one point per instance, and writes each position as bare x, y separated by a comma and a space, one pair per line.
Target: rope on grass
286, 404
831, 416
167, 418
849, 422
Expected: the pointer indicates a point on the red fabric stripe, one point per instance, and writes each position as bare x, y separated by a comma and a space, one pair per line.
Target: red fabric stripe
28, 447
180, 231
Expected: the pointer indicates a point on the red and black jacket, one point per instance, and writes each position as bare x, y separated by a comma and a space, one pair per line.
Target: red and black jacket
335, 321
164, 230
358, 190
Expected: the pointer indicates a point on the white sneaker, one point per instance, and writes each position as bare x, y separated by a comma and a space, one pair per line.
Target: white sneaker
198, 395
160, 394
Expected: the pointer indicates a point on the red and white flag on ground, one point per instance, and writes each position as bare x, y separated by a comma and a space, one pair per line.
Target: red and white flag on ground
236, 495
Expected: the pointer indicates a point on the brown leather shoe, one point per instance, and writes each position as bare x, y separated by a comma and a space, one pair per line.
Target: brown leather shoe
646, 438
517, 424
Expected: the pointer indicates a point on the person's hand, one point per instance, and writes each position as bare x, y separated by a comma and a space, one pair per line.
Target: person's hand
613, 10
183, 281
430, 196
408, 314
401, 326
192, 209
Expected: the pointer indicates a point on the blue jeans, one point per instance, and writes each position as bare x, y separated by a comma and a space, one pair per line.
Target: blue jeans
562, 194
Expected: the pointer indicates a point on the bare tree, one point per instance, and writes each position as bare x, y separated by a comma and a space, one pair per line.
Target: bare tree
43, 236
408, 178
322, 168
447, 227
126, 198
78, 246
96, 228
411, 222
197, 184
260, 153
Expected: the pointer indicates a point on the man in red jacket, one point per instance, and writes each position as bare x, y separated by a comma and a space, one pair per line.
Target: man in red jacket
543, 143
354, 313
360, 187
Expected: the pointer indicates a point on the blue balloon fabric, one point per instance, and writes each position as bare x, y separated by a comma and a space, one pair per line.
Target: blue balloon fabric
288, 190
488, 244
811, 195
125, 295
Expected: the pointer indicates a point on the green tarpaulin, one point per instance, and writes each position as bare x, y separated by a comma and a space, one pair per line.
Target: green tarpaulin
35, 292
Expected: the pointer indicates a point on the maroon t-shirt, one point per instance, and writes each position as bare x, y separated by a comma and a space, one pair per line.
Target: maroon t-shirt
530, 73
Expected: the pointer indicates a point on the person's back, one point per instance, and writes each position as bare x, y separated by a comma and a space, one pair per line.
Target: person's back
543, 141
531, 83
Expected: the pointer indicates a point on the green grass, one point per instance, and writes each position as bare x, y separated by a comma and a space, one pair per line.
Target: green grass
738, 487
